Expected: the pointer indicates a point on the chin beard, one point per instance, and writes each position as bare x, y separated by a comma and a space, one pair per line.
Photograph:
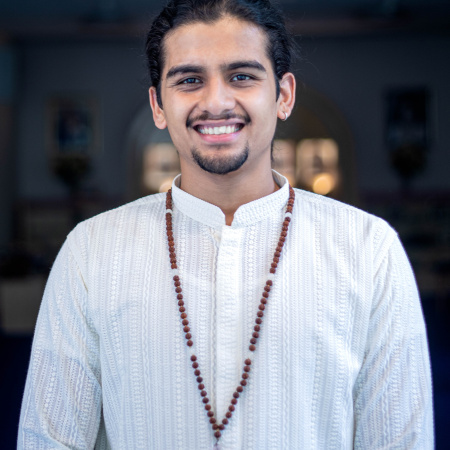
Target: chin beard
218, 164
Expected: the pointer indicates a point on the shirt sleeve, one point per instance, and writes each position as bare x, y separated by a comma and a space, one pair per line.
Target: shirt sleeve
392, 394
61, 407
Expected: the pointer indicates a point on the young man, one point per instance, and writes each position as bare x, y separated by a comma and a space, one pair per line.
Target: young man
235, 311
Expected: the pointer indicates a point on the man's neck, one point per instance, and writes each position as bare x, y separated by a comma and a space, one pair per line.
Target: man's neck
229, 191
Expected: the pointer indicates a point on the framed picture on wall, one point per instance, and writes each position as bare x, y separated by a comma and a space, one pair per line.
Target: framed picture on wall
72, 125
407, 131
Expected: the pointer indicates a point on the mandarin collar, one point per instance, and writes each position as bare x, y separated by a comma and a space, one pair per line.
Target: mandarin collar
245, 215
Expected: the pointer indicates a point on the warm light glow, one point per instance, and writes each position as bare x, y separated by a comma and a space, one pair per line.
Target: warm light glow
160, 164
323, 183
166, 185
284, 158
318, 165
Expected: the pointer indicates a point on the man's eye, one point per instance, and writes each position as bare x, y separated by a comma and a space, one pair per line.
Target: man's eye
241, 77
190, 81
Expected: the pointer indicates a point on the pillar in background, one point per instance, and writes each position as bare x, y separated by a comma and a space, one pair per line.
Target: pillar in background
8, 74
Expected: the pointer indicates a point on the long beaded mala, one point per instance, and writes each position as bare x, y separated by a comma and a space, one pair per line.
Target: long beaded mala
218, 428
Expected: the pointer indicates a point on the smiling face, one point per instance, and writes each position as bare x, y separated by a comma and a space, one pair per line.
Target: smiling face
218, 96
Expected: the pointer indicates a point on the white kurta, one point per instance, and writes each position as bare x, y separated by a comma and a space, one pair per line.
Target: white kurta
342, 359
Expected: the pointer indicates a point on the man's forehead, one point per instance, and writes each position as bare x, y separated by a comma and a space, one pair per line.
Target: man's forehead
218, 44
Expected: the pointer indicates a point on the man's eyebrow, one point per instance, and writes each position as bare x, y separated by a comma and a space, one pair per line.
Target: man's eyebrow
244, 65
183, 69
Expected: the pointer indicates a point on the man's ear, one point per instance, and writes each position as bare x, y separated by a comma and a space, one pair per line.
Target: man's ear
286, 99
158, 113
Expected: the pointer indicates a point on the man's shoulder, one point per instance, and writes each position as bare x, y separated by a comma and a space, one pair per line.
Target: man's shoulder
322, 202
122, 218
335, 216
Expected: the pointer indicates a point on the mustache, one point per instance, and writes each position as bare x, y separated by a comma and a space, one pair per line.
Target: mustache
224, 116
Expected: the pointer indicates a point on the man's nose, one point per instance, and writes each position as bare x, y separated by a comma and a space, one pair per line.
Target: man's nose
217, 97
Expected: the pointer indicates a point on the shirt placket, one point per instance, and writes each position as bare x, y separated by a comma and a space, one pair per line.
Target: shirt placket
228, 317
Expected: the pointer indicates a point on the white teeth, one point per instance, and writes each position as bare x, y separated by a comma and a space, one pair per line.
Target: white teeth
219, 130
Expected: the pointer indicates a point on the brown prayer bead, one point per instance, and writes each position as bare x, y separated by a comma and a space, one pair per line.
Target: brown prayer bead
253, 340
197, 372
186, 329
180, 296
215, 426
267, 288
245, 376
252, 348
185, 321
228, 414
201, 386
263, 301
217, 434
257, 328
208, 407
272, 270
231, 408
258, 321
210, 413
233, 401
199, 379
222, 426
189, 343
205, 400
260, 314
262, 307
248, 362
247, 368
195, 365
239, 389
236, 394
265, 294
177, 283
188, 335
225, 421
255, 334
212, 420
243, 383
203, 393
178, 290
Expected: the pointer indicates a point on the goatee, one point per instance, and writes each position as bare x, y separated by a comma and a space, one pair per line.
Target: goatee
218, 164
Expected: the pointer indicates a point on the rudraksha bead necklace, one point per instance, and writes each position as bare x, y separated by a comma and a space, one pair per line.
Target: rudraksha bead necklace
218, 428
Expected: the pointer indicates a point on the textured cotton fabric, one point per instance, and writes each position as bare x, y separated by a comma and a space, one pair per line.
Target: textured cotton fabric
341, 362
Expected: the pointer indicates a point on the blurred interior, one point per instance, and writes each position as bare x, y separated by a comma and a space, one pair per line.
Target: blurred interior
371, 128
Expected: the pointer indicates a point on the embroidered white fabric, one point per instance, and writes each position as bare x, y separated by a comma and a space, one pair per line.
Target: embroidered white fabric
342, 360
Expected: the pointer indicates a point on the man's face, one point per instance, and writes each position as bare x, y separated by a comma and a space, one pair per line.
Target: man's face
218, 95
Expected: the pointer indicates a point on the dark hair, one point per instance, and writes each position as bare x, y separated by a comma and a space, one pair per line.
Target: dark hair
181, 12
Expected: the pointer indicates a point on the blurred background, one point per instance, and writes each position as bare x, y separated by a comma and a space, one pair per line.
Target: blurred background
371, 128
